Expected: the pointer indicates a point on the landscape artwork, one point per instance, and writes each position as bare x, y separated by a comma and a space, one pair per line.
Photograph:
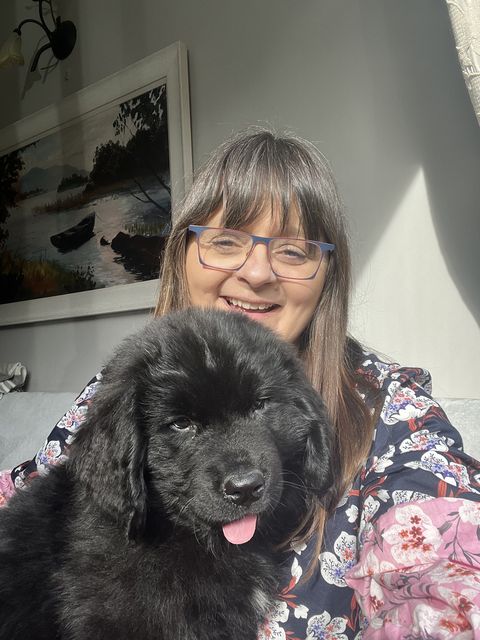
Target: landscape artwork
89, 205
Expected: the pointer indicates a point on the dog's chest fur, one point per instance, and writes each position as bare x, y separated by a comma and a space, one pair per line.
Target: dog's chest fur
103, 587
178, 589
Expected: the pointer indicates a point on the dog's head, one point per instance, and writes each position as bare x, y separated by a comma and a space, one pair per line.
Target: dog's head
207, 418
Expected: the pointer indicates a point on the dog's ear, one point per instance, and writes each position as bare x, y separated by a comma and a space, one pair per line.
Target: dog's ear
108, 454
320, 451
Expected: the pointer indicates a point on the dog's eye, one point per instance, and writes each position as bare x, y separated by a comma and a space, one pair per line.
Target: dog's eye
260, 404
183, 425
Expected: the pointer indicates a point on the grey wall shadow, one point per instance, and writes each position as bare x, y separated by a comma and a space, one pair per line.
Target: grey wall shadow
442, 132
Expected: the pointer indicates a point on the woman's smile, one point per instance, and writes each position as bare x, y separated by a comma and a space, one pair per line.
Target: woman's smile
250, 307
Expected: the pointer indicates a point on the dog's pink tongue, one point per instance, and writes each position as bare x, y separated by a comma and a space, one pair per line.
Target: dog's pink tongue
240, 531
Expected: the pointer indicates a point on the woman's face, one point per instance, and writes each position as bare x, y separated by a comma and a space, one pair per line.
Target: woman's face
285, 306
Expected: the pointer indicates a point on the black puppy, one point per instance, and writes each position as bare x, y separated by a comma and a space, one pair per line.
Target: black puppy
203, 447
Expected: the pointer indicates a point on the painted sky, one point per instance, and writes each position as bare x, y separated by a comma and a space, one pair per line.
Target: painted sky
74, 144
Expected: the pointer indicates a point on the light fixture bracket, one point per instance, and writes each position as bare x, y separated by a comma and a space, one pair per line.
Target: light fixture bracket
61, 40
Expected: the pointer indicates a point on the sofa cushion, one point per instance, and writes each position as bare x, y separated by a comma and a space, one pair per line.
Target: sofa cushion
26, 419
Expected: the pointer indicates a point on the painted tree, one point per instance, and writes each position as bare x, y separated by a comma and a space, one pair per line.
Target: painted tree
142, 122
145, 119
11, 165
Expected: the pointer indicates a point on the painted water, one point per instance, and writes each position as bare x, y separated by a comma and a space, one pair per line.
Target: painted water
29, 232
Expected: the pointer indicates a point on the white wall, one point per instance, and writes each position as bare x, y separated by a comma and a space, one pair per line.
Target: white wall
377, 85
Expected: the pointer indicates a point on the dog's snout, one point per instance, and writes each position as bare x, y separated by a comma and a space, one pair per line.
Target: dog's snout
244, 488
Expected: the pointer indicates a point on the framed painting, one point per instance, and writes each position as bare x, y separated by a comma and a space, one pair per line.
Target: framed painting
87, 189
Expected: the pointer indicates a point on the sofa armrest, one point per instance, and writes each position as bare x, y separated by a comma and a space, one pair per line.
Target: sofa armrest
464, 414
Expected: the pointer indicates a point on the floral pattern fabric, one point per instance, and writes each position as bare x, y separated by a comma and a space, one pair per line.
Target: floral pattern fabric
6, 487
420, 570
401, 553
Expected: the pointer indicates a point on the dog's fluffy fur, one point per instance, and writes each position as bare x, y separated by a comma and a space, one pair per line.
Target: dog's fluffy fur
125, 539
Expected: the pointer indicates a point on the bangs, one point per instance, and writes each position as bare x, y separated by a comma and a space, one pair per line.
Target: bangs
257, 173
245, 201
263, 176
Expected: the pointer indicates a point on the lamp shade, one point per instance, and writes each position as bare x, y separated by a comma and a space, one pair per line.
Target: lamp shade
11, 51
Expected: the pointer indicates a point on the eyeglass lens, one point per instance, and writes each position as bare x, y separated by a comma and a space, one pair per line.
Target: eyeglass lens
229, 249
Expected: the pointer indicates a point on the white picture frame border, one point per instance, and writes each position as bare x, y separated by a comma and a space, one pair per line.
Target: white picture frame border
168, 64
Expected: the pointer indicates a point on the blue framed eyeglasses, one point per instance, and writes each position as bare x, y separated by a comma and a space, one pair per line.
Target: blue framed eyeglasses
229, 249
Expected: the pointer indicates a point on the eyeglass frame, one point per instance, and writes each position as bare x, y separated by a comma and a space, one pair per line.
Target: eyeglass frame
197, 230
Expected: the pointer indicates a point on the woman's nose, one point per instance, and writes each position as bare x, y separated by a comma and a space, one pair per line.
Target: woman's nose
257, 269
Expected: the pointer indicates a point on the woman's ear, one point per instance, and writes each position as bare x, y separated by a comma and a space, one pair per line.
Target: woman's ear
108, 454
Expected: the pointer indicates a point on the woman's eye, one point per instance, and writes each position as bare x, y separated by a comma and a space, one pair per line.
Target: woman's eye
288, 253
183, 425
222, 243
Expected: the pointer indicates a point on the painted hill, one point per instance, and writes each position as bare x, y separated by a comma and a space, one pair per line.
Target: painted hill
47, 179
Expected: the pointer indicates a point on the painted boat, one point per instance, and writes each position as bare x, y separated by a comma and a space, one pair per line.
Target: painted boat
75, 236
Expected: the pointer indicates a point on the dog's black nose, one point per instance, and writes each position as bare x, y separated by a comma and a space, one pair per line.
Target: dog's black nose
245, 487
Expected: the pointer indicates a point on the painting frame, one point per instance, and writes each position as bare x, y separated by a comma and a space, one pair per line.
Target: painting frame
168, 65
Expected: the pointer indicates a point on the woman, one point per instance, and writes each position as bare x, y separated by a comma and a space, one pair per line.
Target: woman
262, 233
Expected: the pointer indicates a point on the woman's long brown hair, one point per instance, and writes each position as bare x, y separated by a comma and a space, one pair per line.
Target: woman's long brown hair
250, 172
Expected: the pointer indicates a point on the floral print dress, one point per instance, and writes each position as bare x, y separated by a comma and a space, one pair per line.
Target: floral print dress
401, 553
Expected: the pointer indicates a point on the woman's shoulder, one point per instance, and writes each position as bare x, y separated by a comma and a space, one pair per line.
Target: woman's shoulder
404, 393
414, 436
382, 374
406, 409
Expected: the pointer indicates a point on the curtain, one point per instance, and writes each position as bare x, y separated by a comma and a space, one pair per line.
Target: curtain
465, 19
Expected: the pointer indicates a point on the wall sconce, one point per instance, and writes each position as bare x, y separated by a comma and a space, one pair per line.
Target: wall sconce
61, 39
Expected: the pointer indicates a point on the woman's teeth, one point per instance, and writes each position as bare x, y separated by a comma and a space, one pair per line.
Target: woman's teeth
248, 306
